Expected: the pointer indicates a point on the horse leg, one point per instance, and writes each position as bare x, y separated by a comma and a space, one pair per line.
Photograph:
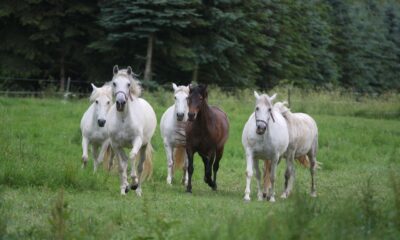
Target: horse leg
289, 174
140, 170
170, 164
218, 157
123, 167
249, 173
271, 193
258, 177
208, 170
137, 144
190, 169
100, 156
95, 152
185, 170
110, 162
267, 173
313, 165
85, 155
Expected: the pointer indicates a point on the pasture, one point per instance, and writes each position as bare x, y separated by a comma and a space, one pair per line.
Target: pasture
45, 194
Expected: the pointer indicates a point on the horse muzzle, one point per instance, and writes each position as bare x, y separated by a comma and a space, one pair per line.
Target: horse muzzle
120, 105
261, 130
101, 122
179, 116
191, 116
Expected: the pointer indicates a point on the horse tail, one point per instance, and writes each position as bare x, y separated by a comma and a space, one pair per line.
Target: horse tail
148, 162
179, 157
303, 160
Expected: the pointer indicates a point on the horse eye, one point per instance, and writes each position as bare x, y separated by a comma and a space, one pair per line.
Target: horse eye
108, 102
97, 102
257, 108
175, 98
129, 84
114, 84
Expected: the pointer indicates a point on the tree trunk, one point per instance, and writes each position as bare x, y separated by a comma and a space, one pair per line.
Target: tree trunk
62, 71
195, 74
149, 58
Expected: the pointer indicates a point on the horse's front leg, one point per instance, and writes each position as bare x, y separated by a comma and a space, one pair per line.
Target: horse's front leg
185, 176
136, 145
169, 151
189, 153
100, 157
249, 173
123, 167
258, 177
85, 147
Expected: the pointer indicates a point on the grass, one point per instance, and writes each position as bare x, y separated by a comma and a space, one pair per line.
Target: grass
44, 194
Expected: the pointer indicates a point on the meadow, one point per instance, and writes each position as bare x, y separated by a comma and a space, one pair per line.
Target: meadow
44, 193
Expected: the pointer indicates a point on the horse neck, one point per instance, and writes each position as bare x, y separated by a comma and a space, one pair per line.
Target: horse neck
205, 114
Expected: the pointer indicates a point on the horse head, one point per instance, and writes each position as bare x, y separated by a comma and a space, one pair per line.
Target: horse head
101, 97
196, 100
263, 111
181, 94
125, 86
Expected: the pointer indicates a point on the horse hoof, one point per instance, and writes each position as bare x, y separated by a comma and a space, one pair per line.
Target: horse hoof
264, 195
126, 190
246, 199
271, 199
189, 190
134, 186
284, 195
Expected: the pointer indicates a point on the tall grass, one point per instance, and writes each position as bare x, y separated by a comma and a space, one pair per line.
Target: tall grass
359, 187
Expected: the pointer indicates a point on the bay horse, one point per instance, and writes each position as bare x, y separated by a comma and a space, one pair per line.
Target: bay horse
206, 133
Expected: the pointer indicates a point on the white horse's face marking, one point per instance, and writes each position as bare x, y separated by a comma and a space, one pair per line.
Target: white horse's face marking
263, 112
101, 106
181, 102
121, 85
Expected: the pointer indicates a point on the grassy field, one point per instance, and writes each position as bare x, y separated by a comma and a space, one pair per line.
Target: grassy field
45, 194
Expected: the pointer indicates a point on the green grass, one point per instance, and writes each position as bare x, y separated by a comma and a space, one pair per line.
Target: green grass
45, 194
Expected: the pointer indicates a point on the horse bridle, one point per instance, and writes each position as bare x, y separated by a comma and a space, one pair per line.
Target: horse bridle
126, 97
265, 122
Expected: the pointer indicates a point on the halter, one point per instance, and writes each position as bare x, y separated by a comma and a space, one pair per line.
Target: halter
265, 122
126, 97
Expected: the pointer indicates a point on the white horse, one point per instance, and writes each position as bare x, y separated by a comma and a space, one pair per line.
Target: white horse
93, 124
303, 141
172, 127
131, 123
265, 136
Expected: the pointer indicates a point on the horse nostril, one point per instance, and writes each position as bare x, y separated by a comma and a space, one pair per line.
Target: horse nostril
101, 122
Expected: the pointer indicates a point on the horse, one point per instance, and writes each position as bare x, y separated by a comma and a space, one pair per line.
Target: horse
172, 128
303, 141
93, 124
206, 133
265, 136
131, 123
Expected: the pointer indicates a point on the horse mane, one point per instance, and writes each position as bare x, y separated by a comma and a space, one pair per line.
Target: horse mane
283, 109
104, 90
135, 88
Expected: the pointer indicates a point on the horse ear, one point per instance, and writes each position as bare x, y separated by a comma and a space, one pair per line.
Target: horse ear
129, 70
256, 95
115, 69
174, 86
93, 86
272, 97
190, 87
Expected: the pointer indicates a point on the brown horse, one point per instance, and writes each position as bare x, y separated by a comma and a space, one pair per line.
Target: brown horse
206, 133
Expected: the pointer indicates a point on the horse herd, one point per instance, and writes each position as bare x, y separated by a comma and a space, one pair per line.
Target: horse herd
192, 126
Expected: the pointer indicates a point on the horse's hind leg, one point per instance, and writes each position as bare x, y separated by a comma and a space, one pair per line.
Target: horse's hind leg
140, 170
313, 165
267, 173
289, 174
